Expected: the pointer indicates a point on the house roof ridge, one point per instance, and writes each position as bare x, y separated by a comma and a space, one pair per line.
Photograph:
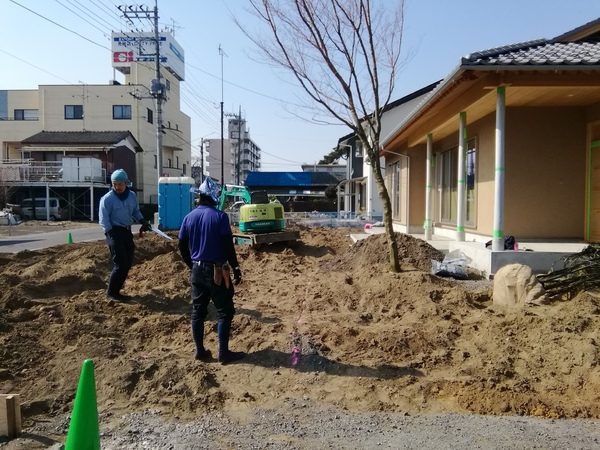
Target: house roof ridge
574, 33
496, 51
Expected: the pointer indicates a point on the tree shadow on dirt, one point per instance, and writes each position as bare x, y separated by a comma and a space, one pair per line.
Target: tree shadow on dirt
42, 440
5, 241
298, 248
161, 305
256, 315
316, 363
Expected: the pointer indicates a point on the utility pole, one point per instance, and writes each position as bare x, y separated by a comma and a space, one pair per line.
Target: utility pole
201, 160
157, 89
221, 52
239, 155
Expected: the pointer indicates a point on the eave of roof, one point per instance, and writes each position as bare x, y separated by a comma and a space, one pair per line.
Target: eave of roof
560, 53
89, 138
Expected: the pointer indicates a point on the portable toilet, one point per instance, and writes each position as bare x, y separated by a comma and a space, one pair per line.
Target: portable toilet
175, 201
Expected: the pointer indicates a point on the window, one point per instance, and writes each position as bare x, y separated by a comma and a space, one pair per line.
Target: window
448, 184
395, 190
26, 114
150, 115
73, 112
398, 178
471, 172
358, 152
121, 112
184, 170
168, 85
177, 162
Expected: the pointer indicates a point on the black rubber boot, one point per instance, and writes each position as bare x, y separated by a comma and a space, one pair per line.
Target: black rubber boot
198, 335
225, 355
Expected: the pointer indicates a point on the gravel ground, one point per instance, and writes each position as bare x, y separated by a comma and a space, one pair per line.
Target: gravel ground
304, 425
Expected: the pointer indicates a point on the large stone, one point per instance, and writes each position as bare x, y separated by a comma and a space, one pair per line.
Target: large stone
515, 285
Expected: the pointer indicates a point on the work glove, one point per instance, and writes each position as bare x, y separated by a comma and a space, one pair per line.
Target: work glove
237, 275
110, 234
145, 226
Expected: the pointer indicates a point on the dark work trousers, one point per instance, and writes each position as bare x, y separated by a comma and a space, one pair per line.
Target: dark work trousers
203, 290
121, 250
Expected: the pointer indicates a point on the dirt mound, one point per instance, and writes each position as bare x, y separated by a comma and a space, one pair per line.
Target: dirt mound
373, 252
323, 320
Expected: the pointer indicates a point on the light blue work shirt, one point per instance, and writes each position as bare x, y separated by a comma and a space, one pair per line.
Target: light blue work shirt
117, 212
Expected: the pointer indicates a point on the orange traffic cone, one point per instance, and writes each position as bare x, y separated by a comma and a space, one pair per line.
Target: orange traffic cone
84, 430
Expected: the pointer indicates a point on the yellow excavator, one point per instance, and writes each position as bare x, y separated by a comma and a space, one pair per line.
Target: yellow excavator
261, 220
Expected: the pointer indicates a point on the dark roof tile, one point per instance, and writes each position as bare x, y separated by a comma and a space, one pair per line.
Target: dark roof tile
538, 53
78, 137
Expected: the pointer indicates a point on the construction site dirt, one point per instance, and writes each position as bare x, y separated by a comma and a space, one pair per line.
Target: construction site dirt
324, 324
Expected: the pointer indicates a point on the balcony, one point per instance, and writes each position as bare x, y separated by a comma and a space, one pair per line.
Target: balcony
66, 171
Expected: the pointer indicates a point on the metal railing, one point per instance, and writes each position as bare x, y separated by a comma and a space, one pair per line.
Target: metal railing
28, 170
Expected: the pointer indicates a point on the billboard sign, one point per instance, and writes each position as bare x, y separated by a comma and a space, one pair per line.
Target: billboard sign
141, 47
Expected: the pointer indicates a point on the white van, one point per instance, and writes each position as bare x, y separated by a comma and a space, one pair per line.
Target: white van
57, 212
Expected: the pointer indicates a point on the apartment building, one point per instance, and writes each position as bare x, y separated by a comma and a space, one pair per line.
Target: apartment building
241, 155
65, 140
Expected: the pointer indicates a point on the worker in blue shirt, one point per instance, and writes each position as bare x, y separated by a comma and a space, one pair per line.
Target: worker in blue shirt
206, 246
118, 209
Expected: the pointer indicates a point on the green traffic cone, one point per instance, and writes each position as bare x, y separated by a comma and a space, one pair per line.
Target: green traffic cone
84, 430
70, 239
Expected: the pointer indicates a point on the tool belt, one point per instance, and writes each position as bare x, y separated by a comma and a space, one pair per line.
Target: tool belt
221, 271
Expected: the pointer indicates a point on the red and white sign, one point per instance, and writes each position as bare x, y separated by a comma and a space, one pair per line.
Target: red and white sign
122, 57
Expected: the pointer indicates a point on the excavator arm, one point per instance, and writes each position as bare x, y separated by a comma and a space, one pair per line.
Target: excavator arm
232, 190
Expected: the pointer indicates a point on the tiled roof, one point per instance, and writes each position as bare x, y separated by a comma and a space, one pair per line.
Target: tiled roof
286, 179
79, 138
580, 46
540, 52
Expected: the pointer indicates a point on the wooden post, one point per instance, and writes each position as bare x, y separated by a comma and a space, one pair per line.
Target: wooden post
10, 415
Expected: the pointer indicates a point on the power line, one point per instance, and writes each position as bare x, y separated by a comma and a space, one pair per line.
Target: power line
82, 18
59, 25
91, 14
39, 68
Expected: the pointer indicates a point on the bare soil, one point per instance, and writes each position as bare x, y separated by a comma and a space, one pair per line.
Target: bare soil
324, 321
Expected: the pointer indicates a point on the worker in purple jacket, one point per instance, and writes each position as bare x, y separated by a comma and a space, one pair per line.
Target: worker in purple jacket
206, 246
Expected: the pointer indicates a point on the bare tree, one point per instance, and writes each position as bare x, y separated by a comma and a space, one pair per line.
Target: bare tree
345, 55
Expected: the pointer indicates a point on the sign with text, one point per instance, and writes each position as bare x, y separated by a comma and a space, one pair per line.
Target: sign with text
141, 47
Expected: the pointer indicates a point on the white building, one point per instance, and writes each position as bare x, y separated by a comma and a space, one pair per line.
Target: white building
240, 155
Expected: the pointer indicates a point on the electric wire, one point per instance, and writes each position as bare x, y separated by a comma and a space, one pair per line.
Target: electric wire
189, 96
82, 18
59, 25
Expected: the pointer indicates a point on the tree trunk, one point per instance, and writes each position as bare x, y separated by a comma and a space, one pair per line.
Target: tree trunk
387, 217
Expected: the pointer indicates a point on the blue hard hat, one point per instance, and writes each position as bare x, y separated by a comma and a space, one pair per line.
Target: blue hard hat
119, 176
210, 189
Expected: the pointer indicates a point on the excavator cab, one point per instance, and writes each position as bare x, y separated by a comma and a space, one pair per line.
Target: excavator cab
262, 215
258, 214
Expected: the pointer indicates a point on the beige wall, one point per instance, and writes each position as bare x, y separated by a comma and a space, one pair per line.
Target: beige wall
97, 101
12, 131
545, 174
416, 196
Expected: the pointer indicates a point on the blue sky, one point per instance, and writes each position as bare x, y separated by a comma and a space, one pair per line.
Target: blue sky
437, 34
